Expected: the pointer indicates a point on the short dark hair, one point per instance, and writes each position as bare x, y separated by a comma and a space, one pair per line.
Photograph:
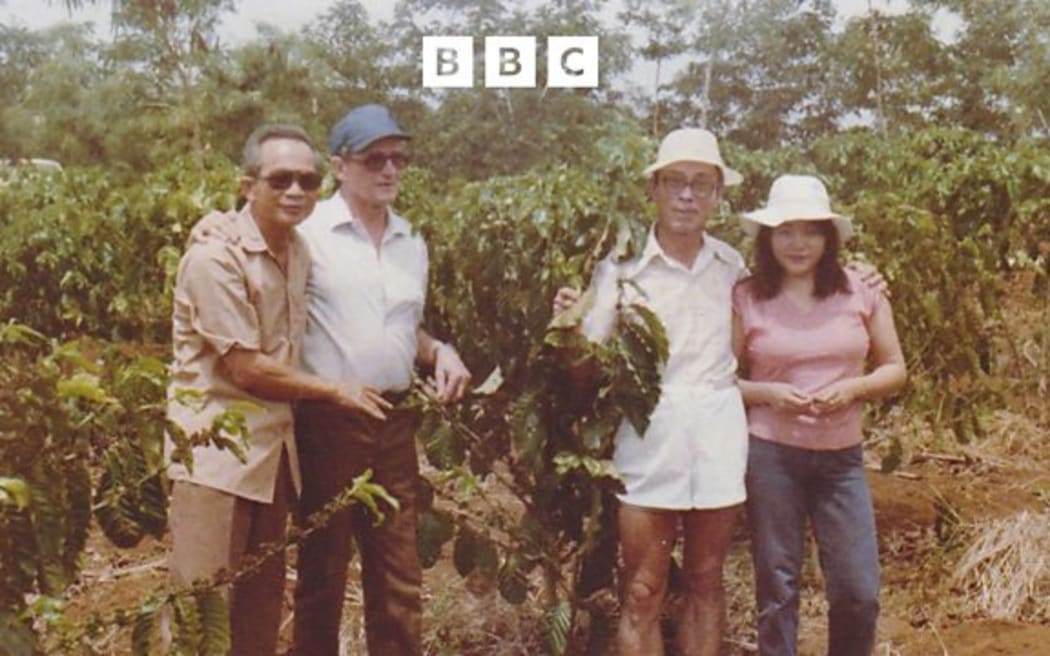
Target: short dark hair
251, 159
769, 276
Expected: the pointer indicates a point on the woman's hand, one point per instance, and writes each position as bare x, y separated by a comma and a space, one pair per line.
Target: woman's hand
786, 397
837, 396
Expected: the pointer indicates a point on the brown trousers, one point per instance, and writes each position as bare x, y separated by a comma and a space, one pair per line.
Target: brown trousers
214, 530
334, 447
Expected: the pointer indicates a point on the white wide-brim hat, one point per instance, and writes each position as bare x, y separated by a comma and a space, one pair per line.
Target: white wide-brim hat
796, 198
692, 145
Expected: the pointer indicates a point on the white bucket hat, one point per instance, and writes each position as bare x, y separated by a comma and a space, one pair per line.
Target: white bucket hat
796, 198
693, 145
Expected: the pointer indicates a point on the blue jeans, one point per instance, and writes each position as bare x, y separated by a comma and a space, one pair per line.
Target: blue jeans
785, 486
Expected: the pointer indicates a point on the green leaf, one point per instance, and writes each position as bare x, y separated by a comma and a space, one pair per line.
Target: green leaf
512, 583
187, 629
435, 529
370, 494
892, 460
13, 492
486, 556
566, 462
16, 636
84, 386
439, 446
463, 556
492, 383
145, 634
556, 625
129, 500
20, 334
215, 622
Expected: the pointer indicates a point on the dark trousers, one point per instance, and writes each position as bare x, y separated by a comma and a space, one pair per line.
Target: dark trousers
334, 447
785, 487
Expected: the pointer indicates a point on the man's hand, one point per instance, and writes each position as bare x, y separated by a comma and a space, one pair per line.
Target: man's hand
451, 376
565, 299
870, 276
361, 398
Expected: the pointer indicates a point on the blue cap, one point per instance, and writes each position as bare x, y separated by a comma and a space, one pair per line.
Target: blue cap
362, 126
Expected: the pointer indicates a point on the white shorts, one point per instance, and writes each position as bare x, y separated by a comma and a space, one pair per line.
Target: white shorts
694, 452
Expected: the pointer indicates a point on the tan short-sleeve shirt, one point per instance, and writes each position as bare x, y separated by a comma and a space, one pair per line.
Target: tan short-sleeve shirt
231, 292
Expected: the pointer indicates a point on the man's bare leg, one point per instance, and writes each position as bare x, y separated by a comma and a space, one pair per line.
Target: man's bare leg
646, 539
703, 622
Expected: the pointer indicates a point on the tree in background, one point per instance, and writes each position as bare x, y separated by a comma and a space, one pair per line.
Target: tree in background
892, 68
1001, 61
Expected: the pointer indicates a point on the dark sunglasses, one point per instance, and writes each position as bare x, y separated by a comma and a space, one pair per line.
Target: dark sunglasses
282, 180
376, 162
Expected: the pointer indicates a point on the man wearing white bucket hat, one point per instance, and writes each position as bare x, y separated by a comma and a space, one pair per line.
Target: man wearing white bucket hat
803, 329
688, 470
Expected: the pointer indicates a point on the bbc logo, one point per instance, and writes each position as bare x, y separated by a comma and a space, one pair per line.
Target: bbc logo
510, 62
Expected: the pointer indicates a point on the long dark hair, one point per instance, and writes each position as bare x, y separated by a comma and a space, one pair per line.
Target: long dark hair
830, 278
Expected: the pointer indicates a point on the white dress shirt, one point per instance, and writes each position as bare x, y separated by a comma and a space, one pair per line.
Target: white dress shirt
694, 453
363, 304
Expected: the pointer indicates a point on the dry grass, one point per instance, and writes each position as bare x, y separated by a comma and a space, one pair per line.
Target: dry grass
1014, 440
1006, 569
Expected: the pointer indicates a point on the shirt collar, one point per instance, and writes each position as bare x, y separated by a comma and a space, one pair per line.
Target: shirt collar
246, 232
710, 250
338, 212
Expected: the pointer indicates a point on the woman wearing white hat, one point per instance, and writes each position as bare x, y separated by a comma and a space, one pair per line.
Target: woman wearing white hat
804, 330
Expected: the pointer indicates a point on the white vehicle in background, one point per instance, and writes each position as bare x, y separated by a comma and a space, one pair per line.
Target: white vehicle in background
12, 166
35, 162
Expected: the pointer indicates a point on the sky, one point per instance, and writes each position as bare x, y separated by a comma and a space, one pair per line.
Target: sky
240, 26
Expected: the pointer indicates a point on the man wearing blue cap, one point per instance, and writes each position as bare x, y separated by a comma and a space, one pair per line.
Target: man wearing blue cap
365, 298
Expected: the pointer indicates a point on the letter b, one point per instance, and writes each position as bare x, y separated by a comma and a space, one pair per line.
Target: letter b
510, 61
448, 61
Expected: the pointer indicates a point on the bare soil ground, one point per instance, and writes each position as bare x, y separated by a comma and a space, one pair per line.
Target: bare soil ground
924, 512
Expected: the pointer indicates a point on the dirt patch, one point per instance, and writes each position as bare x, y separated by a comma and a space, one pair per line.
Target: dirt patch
923, 510
980, 638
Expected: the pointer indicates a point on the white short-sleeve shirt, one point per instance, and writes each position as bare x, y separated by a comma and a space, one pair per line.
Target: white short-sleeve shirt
363, 304
694, 453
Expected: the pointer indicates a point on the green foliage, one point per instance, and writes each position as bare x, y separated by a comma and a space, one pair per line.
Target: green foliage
52, 414
499, 250
942, 214
85, 254
66, 410
130, 500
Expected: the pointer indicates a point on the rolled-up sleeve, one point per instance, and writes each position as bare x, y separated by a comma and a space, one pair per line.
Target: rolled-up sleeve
212, 289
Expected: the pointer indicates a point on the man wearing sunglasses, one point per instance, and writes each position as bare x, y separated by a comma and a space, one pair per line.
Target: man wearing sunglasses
365, 297
238, 321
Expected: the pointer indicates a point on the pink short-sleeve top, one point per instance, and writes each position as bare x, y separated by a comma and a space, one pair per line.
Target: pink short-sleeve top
808, 348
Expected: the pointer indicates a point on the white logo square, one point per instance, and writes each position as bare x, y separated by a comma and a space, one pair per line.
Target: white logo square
572, 62
448, 62
510, 61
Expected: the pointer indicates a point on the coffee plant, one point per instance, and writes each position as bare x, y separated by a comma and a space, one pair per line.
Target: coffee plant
520, 486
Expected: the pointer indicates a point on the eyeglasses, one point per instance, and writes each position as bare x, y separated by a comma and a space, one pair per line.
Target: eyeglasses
376, 162
282, 180
702, 187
